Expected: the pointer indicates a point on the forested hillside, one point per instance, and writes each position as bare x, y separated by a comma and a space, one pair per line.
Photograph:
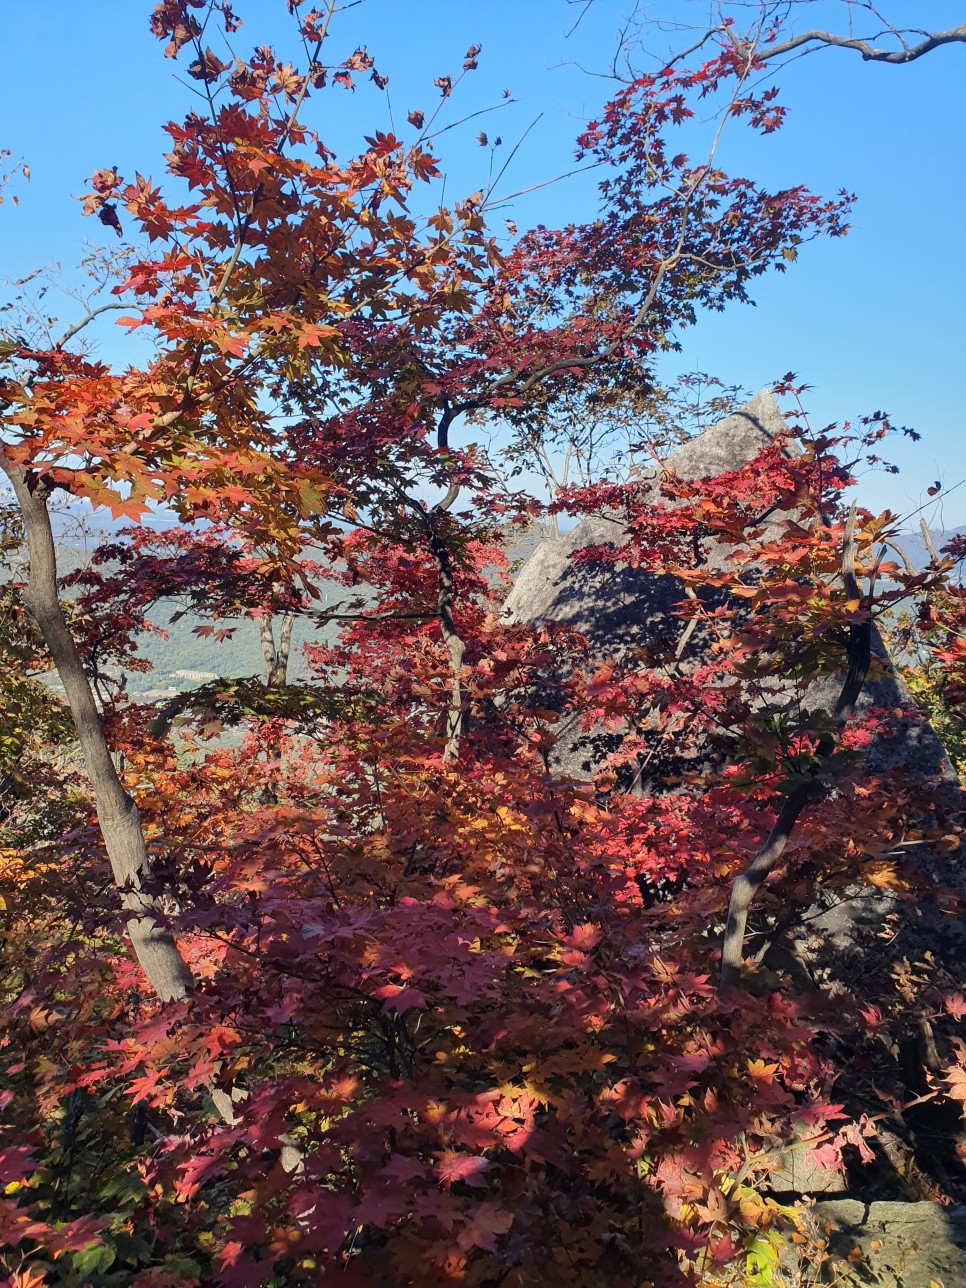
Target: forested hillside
175, 645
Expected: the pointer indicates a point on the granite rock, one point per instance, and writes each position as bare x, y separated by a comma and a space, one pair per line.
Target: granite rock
902, 1245
621, 610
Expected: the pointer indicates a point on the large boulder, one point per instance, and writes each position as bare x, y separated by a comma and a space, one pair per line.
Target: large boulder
626, 614
618, 608
614, 605
622, 611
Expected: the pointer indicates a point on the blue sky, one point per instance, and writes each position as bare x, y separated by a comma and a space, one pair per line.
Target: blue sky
876, 320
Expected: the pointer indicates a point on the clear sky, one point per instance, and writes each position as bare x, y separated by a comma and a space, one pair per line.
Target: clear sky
877, 320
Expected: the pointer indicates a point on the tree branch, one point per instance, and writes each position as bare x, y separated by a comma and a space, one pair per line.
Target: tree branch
747, 884
454, 645
869, 52
88, 318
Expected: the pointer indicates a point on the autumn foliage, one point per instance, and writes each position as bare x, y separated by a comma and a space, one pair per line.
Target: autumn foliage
452, 1017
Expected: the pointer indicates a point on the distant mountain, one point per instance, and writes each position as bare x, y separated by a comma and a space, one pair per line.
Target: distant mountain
915, 547
182, 659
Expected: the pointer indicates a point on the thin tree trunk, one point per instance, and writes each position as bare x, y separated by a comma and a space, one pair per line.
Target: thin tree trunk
266, 634
454, 646
282, 653
117, 814
747, 883
276, 656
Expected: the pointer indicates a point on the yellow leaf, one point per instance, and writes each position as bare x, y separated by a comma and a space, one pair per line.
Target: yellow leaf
508, 819
885, 877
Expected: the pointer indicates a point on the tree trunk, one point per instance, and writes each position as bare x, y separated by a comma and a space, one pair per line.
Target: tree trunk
117, 814
276, 657
747, 884
454, 646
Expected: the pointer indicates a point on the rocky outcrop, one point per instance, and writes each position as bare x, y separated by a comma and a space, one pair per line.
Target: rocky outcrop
899, 1245
619, 608
623, 611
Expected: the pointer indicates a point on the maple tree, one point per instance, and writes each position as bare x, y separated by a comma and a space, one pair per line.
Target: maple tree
406, 1005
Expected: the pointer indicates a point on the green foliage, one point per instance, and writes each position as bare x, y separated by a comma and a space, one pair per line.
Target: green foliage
927, 682
232, 702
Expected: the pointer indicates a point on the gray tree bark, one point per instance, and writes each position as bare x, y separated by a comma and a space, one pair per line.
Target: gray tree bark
117, 814
276, 656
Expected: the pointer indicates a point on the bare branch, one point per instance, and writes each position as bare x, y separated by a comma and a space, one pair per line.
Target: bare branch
869, 52
85, 321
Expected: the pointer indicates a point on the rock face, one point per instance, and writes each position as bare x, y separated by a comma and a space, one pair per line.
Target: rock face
618, 608
903, 1245
612, 605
